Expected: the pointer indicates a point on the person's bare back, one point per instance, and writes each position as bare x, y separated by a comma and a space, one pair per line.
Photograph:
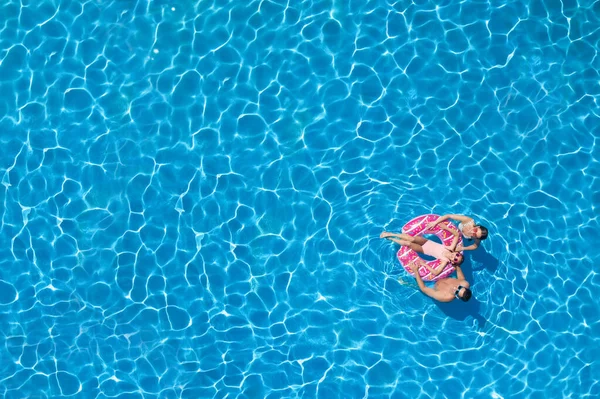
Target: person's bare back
448, 288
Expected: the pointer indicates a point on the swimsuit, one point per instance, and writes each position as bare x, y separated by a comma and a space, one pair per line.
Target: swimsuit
434, 249
461, 226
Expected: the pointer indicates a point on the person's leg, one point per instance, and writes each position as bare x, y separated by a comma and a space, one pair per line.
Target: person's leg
412, 245
414, 239
418, 240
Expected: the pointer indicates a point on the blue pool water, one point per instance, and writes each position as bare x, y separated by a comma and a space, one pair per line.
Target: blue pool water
192, 195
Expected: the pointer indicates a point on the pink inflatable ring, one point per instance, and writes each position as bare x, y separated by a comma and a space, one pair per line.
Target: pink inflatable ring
418, 227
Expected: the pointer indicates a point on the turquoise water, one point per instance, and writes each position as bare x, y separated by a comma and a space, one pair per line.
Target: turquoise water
192, 194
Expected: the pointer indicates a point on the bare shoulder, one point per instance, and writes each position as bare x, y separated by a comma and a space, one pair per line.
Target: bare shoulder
439, 293
442, 296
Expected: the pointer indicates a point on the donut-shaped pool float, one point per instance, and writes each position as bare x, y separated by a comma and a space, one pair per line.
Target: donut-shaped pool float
418, 227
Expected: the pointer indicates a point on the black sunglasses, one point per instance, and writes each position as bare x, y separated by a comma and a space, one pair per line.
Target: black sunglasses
460, 287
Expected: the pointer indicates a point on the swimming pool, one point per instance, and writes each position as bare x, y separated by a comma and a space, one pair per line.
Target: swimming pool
193, 194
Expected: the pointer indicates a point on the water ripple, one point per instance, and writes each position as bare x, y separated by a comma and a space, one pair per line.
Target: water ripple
193, 193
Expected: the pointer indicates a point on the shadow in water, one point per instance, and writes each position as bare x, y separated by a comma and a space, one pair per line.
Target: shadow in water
476, 260
484, 260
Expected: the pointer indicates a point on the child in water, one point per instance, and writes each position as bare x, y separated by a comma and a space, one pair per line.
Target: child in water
468, 228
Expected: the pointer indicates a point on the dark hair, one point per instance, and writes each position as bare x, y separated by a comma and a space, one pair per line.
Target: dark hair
484, 232
466, 295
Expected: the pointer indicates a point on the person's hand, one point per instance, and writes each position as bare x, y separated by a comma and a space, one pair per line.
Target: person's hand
413, 267
431, 225
449, 247
459, 248
415, 271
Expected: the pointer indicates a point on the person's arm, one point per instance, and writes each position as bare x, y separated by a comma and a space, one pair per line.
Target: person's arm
456, 235
470, 247
438, 269
460, 218
459, 273
424, 289
439, 220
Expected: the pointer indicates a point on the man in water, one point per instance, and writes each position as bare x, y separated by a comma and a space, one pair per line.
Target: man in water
445, 289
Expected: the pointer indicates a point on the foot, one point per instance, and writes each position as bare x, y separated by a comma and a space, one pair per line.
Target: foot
385, 234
